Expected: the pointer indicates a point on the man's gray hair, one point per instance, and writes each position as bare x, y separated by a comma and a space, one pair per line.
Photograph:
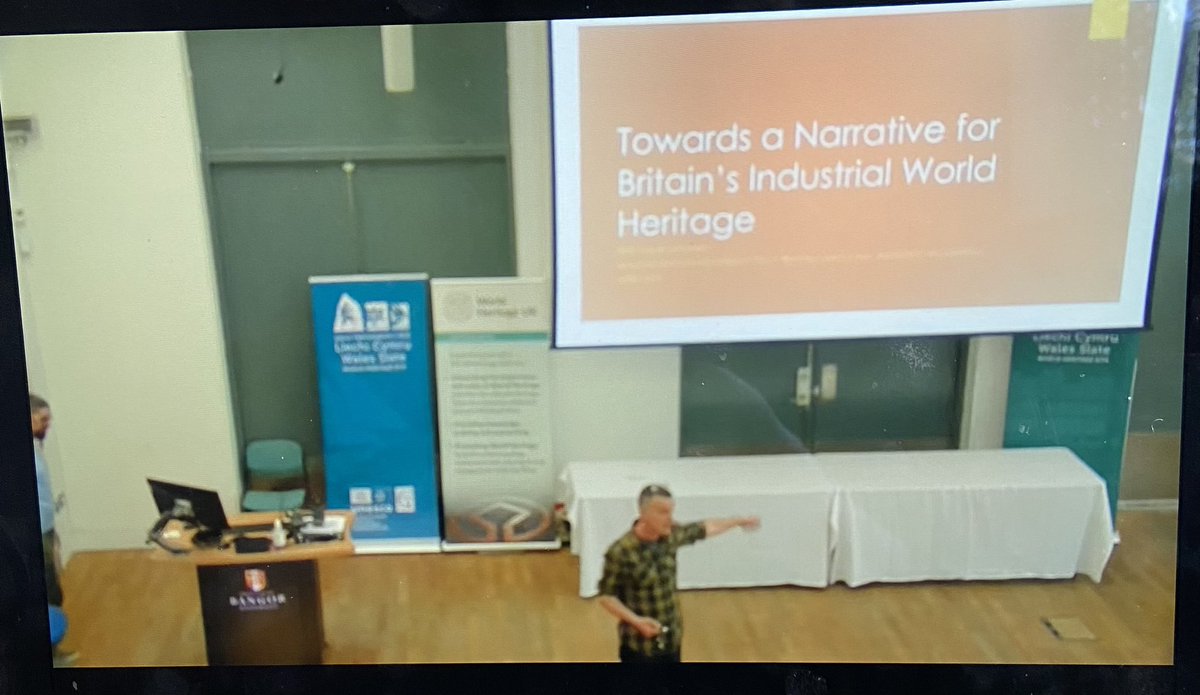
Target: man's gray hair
37, 403
650, 492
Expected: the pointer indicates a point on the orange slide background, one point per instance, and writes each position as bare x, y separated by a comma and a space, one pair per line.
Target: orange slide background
1051, 229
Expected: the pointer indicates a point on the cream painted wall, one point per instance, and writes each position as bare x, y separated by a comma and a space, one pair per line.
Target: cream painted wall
529, 147
985, 392
117, 277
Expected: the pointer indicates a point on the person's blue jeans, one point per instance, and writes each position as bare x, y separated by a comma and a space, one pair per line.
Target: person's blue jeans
54, 593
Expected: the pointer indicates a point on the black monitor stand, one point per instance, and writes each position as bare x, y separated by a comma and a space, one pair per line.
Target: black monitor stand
203, 538
208, 538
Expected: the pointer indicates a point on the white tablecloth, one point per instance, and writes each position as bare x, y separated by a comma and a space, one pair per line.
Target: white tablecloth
789, 493
859, 517
1006, 514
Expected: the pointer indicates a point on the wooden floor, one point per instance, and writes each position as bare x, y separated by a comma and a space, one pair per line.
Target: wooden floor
127, 609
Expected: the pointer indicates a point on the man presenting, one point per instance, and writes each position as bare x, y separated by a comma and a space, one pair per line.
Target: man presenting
638, 586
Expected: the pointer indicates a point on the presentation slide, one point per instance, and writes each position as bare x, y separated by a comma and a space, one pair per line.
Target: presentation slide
924, 170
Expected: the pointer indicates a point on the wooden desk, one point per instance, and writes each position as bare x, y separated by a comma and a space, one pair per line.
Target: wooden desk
263, 608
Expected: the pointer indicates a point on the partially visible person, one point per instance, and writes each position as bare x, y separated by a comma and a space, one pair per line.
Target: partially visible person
39, 415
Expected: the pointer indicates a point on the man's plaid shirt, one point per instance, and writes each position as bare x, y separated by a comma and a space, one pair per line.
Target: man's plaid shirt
642, 576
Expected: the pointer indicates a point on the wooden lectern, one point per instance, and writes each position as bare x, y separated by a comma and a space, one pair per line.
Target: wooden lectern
263, 608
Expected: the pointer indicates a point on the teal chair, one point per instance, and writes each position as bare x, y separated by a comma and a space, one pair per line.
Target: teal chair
270, 464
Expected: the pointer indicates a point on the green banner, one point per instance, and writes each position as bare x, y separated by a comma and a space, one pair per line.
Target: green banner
1073, 389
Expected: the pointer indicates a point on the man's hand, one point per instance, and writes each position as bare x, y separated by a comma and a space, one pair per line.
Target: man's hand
647, 627
715, 527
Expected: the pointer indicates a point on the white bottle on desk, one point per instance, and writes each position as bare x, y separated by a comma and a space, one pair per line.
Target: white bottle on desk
278, 535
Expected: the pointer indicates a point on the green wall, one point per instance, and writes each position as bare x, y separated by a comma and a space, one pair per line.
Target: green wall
330, 90
313, 168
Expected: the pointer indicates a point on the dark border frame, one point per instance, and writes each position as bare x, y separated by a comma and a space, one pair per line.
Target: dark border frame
25, 663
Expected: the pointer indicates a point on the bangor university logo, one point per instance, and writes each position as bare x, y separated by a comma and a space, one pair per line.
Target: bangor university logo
256, 581
349, 316
257, 597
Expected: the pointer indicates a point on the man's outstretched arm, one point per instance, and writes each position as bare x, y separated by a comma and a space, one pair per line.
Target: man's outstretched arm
715, 527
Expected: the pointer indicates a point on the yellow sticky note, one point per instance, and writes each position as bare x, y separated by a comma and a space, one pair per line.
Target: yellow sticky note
1110, 20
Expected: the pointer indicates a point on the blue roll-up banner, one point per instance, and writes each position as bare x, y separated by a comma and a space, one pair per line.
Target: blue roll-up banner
374, 372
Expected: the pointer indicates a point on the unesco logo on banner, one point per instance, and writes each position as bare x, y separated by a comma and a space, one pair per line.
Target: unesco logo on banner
366, 500
257, 596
